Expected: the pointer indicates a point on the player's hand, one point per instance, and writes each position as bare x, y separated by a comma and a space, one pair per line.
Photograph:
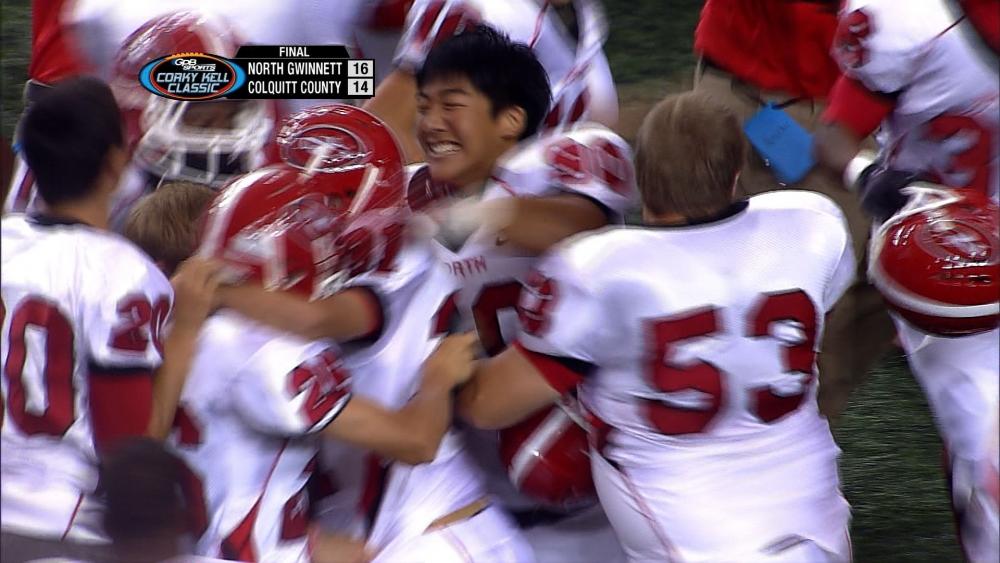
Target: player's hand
195, 284
881, 190
428, 26
333, 548
453, 362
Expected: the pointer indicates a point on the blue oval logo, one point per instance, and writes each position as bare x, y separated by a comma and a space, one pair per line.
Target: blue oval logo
192, 76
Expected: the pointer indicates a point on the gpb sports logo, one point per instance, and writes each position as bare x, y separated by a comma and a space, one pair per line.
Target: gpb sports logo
192, 76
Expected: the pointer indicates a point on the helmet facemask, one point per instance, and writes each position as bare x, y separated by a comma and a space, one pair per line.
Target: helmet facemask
173, 149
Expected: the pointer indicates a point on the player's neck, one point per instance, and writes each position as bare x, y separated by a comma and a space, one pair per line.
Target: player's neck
92, 211
477, 185
650, 218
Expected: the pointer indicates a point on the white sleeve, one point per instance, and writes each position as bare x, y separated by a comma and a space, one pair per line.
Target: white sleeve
290, 389
594, 162
881, 42
126, 304
564, 325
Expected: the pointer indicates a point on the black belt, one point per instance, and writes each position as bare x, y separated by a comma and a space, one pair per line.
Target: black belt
742, 86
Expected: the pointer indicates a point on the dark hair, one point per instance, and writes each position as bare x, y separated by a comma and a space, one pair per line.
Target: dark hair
143, 486
66, 135
506, 72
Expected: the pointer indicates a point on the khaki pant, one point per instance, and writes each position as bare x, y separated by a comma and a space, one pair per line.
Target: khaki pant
858, 330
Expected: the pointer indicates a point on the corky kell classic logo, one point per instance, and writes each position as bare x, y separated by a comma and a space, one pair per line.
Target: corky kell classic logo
192, 76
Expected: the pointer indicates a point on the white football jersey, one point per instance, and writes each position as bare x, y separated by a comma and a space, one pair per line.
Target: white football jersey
578, 72
246, 427
417, 296
77, 303
586, 160
697, 346
946, 120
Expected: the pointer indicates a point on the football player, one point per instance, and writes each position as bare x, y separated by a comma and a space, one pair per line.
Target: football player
928, 76
207, 142
521, 193
386, 320
695, 345
575, 64
258, 398
53, 58
83, 316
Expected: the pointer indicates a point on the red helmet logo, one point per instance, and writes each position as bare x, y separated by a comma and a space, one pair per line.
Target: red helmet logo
937, 261
325, 148
349, 150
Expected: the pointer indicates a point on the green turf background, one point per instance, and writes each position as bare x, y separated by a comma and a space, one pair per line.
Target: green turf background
891, 461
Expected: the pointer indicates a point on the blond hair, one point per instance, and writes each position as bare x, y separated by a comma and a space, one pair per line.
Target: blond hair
689, 151
165, 223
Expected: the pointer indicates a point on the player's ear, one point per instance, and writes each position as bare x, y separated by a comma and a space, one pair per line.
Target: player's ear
512, 121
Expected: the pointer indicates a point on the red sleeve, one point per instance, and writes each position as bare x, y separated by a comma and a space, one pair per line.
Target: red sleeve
985, 17
857, 108
121, 402
562, 374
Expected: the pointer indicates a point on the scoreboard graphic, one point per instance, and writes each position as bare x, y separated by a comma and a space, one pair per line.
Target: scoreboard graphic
262, 72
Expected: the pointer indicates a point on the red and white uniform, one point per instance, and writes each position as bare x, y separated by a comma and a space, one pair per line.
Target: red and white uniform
250, 411
416, 295
53, 57
53, 53
696, 346
583, 88
941, 103
944, 121
586, 160
82, 311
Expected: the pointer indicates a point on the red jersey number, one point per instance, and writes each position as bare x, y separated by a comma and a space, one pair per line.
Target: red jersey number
140, 323
45, 321
849, 41
704, 382
969, 143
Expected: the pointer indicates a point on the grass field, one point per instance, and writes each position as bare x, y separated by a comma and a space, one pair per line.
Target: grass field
891, 452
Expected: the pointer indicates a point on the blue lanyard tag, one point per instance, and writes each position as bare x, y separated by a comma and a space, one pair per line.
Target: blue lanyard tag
782, 142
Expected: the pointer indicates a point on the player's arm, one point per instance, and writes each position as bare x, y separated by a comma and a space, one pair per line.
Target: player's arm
194, 287
395, 102
412, 434
133, 388
854, 112
505, 390
562, 321
351, 314
537, 224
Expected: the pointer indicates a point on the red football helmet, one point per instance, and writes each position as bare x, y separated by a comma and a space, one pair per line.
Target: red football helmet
346, 142
937, 261
276, 226
204, 142
548, 457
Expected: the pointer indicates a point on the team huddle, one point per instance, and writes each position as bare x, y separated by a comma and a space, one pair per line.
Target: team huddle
420, 331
